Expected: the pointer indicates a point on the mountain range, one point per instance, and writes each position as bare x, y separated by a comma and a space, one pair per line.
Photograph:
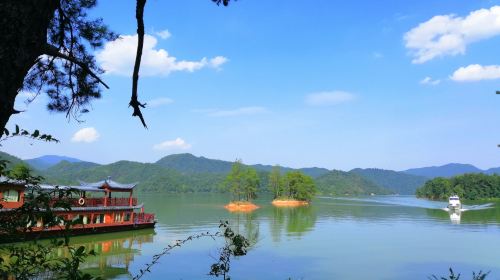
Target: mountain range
450, 170
189, 173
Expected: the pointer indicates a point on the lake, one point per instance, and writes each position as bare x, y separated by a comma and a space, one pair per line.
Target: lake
380, 237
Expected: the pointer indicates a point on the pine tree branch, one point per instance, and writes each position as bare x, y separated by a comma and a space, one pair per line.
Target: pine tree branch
54, 52
134, 103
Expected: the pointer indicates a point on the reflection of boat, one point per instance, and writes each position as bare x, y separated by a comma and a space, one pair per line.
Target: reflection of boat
95, 208
454, 202
455, 216
115, 252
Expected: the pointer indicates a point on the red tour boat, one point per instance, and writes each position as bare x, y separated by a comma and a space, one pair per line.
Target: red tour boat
96, 207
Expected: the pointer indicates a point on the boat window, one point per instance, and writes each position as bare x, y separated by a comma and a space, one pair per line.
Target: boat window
127, 217
63, 219
11, 196
85, 219
98, 218
118, 217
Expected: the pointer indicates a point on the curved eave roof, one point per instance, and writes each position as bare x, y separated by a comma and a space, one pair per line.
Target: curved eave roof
7, 180
80, 188
112, 185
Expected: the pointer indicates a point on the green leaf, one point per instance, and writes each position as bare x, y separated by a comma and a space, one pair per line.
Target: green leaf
35, 134
80, 250
17, 129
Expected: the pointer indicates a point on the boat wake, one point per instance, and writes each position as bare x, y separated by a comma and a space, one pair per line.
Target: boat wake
407, 201
471, 207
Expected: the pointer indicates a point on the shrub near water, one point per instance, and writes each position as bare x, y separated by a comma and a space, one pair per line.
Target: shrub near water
467, 186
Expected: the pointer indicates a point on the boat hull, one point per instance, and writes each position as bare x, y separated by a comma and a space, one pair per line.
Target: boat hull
59, 233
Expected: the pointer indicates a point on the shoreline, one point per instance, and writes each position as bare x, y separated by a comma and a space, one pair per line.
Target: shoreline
241, 206
289, 202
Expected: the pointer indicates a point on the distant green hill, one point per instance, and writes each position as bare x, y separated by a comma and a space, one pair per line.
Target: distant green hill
189, 173
12, 159
447, 170
398, 182
188, 163
44, 162
151, 177
347, 183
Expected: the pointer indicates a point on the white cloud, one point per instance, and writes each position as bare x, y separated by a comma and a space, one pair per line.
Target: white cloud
164, 34
118, 57
476, 72
87, 135
429, 81
159, 102
236, 112
328, 98
217, 61
377, 55
449, 34
176, 144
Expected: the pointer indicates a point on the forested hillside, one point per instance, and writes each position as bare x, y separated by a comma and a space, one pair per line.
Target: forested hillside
398, 182
467, 186
12, 160
347, 183
189, 173
447, 170
188, 163
151, 177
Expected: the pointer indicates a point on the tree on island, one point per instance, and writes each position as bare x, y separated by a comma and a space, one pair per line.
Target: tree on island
298, 186
251, 183
276, 182
242, 182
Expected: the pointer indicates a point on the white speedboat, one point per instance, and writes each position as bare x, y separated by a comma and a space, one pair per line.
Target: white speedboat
454, 203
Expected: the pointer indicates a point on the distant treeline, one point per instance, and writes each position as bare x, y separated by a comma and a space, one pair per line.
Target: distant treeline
467, 186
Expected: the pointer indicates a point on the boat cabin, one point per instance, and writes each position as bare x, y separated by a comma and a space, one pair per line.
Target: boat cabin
102, 206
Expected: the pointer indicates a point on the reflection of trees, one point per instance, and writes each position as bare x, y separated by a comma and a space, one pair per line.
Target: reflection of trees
114, 252
296, 221
247, 225
277, 223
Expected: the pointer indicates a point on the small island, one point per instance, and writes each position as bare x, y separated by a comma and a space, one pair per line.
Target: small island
292, 190
242, 182
241, 206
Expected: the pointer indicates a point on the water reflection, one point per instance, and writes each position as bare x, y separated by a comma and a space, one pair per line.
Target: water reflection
296, 221
278, 236
115, 252
455, 216
246, 224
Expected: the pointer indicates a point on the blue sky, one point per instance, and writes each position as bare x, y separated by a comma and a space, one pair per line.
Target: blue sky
335, 84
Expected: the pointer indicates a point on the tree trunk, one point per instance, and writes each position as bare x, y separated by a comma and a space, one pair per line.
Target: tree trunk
24, 26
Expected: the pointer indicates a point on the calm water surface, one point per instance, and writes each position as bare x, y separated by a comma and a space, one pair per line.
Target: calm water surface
393, 237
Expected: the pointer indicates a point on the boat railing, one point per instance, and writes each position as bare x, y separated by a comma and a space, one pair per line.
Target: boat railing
101, 202
145, 218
